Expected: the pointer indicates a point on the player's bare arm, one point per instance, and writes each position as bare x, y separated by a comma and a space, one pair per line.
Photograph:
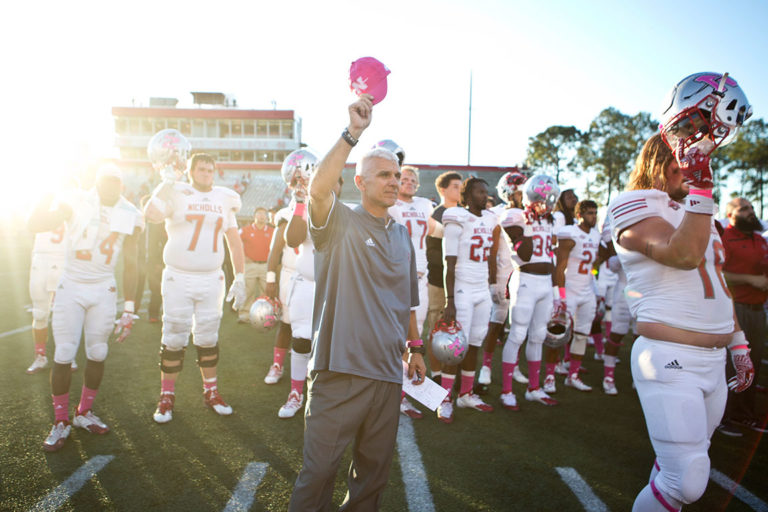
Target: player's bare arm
154, 210
296, 231
274, 259
130, 280
682, 248
562, 252
757, 280
450, 278
523, 245
329, 169
235, 250
492, 267
415, 361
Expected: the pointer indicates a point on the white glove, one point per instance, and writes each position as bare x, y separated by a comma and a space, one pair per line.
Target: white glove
237, 292
497, 293
125, 322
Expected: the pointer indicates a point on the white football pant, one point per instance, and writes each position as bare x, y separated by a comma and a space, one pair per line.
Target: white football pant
192, 302
44, 275
473, 309
301, 303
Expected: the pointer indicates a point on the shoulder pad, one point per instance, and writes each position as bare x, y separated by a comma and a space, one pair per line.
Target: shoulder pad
513, 217
565, 233
633, 206
454, 215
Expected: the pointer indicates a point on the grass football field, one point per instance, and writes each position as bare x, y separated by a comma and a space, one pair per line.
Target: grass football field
527, 460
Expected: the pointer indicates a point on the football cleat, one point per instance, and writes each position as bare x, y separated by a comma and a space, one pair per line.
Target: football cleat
274, 375
164, 411
538, 395
292, 405
409, 410
549, 384
561, 368
485, 376
609, 386
598, 357
58, 436
214, 401
509, 401
573, 381
90, 422
518, 375
445, 411
40, 363
472, 401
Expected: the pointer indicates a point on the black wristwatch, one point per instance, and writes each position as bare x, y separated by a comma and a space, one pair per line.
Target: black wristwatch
348, 138
417, 350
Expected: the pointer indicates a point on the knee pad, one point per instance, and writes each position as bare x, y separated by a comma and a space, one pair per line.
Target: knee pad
97, 352
694, 479
65, 353
206, 333
207, 357
176, 332
579, 344
301, 345
171, 355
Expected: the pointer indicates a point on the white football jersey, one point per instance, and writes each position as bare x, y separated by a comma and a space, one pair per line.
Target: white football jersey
697, 300
578, 273
504, 266
288, 261
196, 222
415, 217
52, 243
97, 235
542, 237
558, 219
305, 261
475, 243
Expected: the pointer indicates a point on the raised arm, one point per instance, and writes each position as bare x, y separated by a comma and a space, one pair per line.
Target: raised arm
330, 167
45, 219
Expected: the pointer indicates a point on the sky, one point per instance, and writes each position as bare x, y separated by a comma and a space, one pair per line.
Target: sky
533, 65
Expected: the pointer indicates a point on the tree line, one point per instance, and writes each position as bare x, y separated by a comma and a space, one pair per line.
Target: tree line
604, 155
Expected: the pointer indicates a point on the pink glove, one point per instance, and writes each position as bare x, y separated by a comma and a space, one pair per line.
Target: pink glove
745, 372
695, 167
559, 308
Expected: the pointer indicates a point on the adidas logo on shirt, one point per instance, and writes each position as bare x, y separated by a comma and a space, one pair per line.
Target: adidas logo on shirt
370, 243
673, 365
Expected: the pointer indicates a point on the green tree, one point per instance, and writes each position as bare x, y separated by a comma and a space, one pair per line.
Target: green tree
551, 149
748, 155
609, 147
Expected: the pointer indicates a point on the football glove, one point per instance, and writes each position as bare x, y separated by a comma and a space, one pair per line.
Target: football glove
695, 166
559, 307
237, 293
745, 372
124, 324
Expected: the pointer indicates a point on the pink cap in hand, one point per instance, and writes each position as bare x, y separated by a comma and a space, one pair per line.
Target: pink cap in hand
369, 76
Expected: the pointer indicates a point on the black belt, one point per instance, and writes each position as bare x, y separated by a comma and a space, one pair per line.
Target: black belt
753, 307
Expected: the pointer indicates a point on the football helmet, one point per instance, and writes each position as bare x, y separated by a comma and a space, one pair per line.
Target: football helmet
169, 149
541, 193
508, 184
559, 330
449, 343
393, 147
299, 164
703, 110
265, 313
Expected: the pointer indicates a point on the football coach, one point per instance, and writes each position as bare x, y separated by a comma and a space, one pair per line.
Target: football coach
365, 293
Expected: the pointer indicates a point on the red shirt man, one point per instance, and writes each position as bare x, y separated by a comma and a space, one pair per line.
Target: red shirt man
256, 238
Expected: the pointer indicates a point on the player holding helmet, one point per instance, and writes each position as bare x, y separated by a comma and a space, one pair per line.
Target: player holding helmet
198, 216
672, 255
529, 233
101, 224
469, 269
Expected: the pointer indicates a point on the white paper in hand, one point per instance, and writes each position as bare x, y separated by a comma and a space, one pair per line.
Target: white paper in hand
428, 393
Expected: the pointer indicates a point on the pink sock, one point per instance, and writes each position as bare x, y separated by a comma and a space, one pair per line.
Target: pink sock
402, 395
209, 384
609, 371
550, 368
534, 367
507, 370
167, 386
598, 339
607, 329
447, 382
487, 359
279, 356
298, 386
40, 348
609, 364
87, 396
467, 381
575, 365
61, 407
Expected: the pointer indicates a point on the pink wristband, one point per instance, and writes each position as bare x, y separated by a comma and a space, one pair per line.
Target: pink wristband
705, 192
562, 292
517, 245
738, 347
414, 343
300, 209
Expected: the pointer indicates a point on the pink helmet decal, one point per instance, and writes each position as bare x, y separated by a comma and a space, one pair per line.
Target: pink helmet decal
714, 80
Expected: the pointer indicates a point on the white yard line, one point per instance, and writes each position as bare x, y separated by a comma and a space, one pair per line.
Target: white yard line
582, 490
242, 497
737, 490
16, 331
74, 483
417, 493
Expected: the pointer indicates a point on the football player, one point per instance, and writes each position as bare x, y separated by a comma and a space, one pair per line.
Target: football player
469, 270
529, 233
510, 192
198, 217
101, 224
49, 254
577, 248
415, 213
663, 226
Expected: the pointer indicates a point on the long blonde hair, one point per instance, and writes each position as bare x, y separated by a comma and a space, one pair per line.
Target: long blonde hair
650, 165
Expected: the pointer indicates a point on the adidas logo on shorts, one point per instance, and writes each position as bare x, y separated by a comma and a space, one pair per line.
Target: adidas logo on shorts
673, 365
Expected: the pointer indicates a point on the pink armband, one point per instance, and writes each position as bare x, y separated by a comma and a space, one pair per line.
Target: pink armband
562, 292
300, 209
414, 343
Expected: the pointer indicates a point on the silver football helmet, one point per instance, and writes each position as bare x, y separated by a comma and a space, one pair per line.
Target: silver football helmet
265, 312
393, 147
168, 150
299, 164
541, 191
449, 343
704, 110
509, 183
559, 330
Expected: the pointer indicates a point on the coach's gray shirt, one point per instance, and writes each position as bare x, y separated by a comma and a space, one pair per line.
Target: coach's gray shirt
365, 287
